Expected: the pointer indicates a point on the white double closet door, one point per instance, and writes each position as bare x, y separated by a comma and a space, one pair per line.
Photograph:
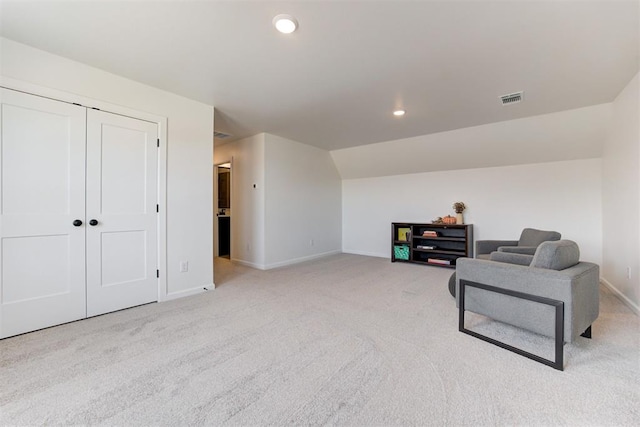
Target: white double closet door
78, 219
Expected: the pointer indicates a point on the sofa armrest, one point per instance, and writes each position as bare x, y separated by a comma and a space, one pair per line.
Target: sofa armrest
488, 246
527, 250
577, 287
511, 258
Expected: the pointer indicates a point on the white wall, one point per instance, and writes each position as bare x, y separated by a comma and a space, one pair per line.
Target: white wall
190, 145
501, 201
297, 199
621, 195
247, 202
303, 202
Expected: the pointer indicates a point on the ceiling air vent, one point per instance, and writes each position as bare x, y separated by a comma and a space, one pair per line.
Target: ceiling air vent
220, 135
512, 98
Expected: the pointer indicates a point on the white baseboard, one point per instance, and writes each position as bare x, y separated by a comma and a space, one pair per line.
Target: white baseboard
622, 297
248, 264
377, 255
299, 260
186, 293
284, 263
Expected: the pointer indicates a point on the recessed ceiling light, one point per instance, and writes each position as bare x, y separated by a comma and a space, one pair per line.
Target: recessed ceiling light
399, 113
286, 24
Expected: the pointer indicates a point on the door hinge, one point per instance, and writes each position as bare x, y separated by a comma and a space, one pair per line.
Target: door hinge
158, 273
158, 142
157, 208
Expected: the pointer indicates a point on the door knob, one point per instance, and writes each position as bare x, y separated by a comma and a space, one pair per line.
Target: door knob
93, 222
77, 223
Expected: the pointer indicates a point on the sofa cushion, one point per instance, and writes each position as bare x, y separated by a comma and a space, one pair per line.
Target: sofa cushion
527, 250
511, 258
533, 237
556, 255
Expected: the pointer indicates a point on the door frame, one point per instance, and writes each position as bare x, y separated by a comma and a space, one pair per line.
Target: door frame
161, 122
216, 249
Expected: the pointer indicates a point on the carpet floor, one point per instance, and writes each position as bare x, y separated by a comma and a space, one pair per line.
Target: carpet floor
342, 340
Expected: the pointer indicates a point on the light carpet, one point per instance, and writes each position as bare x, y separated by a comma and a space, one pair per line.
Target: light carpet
342, 340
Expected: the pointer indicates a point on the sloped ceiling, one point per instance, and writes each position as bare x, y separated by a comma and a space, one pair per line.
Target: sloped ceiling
568, 135
335, 81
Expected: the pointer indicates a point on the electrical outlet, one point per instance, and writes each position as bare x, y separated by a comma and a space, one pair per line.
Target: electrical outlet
184, 266
311, 242
629, 273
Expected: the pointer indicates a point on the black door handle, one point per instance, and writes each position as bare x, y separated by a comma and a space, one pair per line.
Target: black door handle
77, 223
93, 222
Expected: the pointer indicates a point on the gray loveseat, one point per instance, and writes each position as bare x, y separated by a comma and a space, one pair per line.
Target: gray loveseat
554, 272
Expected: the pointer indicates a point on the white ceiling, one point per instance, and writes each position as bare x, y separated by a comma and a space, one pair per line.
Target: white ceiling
335, 81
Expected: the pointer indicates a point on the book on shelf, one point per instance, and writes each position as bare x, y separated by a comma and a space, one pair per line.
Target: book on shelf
404, 234
429, 234
439, 261
430, 247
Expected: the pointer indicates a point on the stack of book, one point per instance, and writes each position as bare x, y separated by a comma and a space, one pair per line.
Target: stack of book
439, 261
429, 233
431, 247
404, 234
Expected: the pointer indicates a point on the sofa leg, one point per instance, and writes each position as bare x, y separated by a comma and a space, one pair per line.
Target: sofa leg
587, 333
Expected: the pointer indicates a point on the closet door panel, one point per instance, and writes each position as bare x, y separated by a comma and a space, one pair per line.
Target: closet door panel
122, 190
42, 192
124, 167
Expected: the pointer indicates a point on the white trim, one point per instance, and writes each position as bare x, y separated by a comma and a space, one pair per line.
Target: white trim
248, 264
58, 95
284, 263
163, 284
347, 251
622, 297
186, 293
301, 259
216, 208
216, 249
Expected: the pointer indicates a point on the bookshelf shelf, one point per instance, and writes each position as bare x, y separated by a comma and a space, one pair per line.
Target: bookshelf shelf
452, 239
450, 242
436, 251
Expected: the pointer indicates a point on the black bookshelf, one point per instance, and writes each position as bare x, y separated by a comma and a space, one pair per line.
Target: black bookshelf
431, 244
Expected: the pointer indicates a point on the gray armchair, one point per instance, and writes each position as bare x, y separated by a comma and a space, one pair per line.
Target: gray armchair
517, 289
529, 240
527, 244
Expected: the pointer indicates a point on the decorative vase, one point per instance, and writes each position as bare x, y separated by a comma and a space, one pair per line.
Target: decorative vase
459, 218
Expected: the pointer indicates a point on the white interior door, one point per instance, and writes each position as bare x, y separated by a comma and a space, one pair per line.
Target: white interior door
122, 159
42, 182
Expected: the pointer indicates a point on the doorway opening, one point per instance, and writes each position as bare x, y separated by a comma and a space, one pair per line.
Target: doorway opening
222, 186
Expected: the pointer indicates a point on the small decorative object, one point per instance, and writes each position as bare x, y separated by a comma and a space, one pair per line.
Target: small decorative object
449, 220
459, 207
437, 220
